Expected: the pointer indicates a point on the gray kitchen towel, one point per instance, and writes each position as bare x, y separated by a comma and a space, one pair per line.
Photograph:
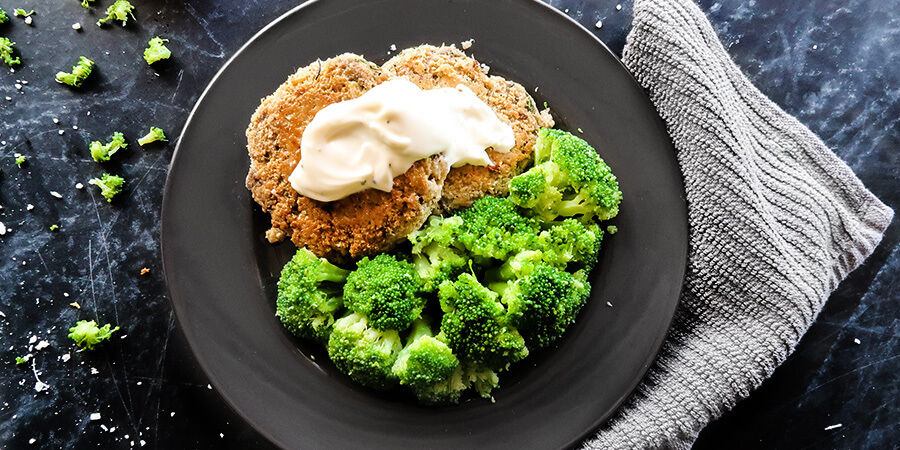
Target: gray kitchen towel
776, 222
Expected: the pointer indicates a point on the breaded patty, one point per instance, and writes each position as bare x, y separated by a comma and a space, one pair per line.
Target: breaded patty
361, 224
432, 67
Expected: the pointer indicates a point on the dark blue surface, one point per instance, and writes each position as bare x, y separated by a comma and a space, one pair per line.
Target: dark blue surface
833, 64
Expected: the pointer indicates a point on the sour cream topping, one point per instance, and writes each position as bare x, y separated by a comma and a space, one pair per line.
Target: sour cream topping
365, 142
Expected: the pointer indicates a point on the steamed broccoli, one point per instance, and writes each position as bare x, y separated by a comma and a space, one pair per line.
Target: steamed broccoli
385, 290
569, 179
80, 72
364, 353
6, 52
120, 10
157, 50
3, 16
102, 153
475, 325
435, 252
543, 303
424, 361
495, 228
155, 134
449, 390
87, 334
109, 185
309, 294
570, 241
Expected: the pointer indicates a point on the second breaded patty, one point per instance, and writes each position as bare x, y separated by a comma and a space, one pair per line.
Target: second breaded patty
432, 67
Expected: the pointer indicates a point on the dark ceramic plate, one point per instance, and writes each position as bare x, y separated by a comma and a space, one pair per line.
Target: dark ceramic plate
221, 273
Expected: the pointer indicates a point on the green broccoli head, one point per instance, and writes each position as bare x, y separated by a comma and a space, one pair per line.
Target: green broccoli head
569, 179
6, 52
364, 353
157, 50
102, 152
475, 325
424, 361
120, 10
495, 228
570, 241
545, 302
309, 295
109, 185
80, 72
385, 289
155, 134
435, 252
87, 334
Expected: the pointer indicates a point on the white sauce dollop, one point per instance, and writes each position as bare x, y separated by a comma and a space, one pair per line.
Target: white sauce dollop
365, 142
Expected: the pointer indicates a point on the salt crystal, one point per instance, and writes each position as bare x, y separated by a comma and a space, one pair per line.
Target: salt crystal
79, 186
94, 371
95, 416
66, 357
62, 132
857, 342
599, 24
32, 340
618, 7
831, 427
76, 26
29, 206
56, 194
42, 345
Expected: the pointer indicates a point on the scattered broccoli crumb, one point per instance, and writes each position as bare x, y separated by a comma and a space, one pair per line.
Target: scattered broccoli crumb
120, 10
75, 305
145, 271
87, 334
20, 159
54, 227
85, 3
102, 153
80, 72
612, 229
157, 50
109, 185
21, 12
6, 51
155, 134
580, 130
3, 16
21, 360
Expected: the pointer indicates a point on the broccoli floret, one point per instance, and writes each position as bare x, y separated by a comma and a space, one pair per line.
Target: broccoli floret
364, 353
157, 50
309, 294
109, 185
612, 229
542, 304
569, 179
20, 159
475, 325
155, 134
6, 52
120, 10
449, 390
23, 359
80, 72
495, 228
102, 153
424, 361
570, 241
385, 290
435, 252
85, 3
3, 16
87, 334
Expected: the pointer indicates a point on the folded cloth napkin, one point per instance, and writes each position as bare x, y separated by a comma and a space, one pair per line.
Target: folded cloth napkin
776, 222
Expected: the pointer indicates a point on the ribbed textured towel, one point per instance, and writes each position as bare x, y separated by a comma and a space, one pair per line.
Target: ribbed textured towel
776, 222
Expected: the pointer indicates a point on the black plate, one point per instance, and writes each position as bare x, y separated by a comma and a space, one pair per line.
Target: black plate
221, 273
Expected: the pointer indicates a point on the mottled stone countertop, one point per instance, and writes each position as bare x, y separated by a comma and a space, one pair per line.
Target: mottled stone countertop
834, 64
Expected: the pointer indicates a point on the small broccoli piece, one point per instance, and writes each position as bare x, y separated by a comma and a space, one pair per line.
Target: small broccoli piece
612, 229
385, 290
85, 3
21, 12
120, 10
6, 52
570, 241
157, 50
309, 294
80, 72
495, 228
435, 257
449, 390
54, 227
102, 153
364, 353
109, 185
569, 179
542, 304
20, 159
155, 134
3, 16
22, 359
475, 325
424, 361
87, 334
